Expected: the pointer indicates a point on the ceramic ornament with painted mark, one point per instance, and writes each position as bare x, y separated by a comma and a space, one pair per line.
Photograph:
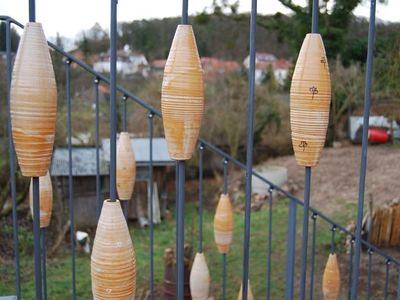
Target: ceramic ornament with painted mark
45, 200
223, 224
182, 95
199, 278
331, 278
126, 167
113, 263
33, 102
310, 98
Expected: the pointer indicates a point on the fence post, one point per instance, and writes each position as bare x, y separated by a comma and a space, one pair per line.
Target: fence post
291, 249
363, 169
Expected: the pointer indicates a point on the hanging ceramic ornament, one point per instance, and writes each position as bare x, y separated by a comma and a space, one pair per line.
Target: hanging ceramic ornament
310, 98
249, 293
113, 264
33, 102
182, 95
199, 278
331, 278
45, 198
223, 224
126, 167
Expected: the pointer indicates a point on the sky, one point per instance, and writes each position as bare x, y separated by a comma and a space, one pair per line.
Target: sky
60, 16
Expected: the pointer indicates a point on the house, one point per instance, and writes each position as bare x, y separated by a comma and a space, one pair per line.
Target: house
84, 179
264, 61
214, 67
128, 63
158, 66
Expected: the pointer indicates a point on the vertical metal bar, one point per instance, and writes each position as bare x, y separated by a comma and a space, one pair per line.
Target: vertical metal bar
185, 6
224, 276
113, 94
351, 254
291, 250
201, 150
32, 11
11, 157
98, 184
180, 208
304, 243
313, 243
398, 286
125, 204
43, 238
249, 150
150, 116
70, 179
315, 11
180, 230
269, 250
369, 273
333, 246
225, 191
124, 113
387, 279
36, 236
363, 168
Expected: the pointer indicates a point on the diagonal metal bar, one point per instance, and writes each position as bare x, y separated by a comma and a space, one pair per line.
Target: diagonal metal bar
249, 148
363, 168
11, 158
70, 178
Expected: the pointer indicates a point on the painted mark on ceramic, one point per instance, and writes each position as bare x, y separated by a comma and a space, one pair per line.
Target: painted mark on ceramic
313, 91
304, 145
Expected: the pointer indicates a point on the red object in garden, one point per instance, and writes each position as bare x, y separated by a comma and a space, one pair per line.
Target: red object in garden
379, 136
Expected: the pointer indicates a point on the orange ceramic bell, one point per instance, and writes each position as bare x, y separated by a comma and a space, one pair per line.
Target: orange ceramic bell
113, 264
126, 167
223, 224
310, 98
182, 95
33, 102
331, 278
46, 200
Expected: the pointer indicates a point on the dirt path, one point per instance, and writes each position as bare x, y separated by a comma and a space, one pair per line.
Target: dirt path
335, 179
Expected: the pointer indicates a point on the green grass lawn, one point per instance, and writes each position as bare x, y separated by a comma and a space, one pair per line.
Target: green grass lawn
59, 267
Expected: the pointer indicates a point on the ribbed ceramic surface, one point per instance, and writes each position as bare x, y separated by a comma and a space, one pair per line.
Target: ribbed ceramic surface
310, 98
33, 102
182, 95
223, 224
46, 199
126, 167
113, 265
331, 278
199, 278
249, 292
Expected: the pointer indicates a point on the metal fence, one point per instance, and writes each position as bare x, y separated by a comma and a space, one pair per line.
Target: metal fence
307, 262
